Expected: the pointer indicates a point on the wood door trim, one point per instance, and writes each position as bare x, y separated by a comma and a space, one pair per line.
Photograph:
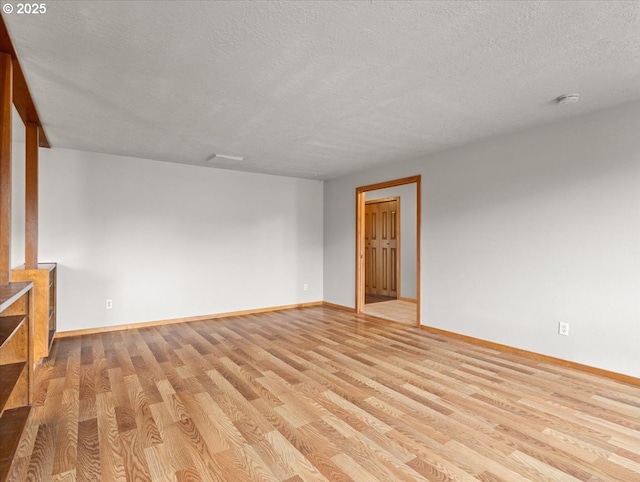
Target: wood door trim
360, 204
386, 184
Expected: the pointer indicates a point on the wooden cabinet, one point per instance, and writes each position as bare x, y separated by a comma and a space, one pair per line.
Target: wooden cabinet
44, 280
16, 367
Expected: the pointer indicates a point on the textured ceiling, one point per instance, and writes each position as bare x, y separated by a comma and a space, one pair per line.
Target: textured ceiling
317, 89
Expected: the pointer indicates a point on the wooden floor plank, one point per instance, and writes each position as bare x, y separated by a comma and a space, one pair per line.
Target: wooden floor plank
88, 458
318, 394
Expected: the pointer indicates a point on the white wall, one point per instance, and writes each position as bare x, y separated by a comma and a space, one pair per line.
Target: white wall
166, 240
17, 191
520, 232
408, 219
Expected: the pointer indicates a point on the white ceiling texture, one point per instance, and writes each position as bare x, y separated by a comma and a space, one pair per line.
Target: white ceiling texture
317, 89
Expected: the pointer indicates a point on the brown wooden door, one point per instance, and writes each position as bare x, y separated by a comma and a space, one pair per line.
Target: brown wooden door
382, 229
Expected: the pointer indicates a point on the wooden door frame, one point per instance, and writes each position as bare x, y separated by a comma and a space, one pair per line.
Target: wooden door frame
398, 239
360, 203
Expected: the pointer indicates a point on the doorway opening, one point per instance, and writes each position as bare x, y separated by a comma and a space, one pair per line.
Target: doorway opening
388, 249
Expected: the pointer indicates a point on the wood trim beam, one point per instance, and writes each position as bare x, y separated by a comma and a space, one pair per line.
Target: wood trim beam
31, 197
6, 96
21, 95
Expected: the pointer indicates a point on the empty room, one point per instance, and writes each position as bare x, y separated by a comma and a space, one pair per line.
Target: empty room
320, 240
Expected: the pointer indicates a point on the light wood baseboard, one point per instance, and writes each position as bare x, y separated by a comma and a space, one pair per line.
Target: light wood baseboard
147, 324
537, 356
410, 300
338, 307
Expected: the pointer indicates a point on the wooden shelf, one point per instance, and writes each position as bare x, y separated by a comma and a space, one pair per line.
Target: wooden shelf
44, 293
11, 292
16, 367
8, 327
9, 374
11, 426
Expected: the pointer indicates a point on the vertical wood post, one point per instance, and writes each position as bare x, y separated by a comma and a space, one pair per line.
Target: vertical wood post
31, 197
360, 247
6, 103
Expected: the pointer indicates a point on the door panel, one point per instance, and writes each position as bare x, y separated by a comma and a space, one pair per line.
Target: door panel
381, 247
371, 247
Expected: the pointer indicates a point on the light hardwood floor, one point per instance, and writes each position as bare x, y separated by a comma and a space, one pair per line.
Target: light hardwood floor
318, 394
396, 310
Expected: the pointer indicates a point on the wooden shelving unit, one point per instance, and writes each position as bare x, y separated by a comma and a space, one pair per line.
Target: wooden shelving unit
17, 295
16, 367
44, 280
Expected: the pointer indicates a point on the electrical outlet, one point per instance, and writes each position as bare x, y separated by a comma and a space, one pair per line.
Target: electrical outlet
109, 304
305, 286
563, 329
